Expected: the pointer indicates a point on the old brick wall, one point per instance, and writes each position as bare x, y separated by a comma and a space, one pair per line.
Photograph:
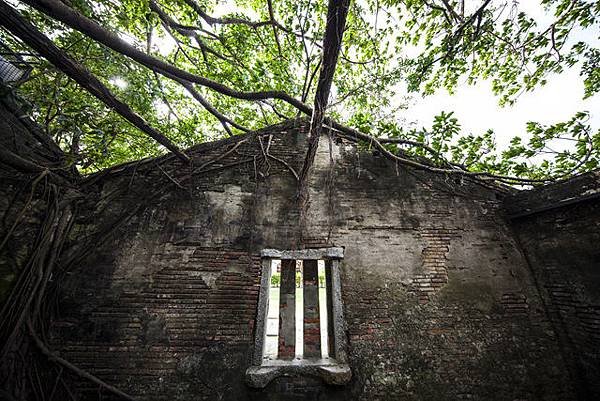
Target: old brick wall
439, 301
559, 229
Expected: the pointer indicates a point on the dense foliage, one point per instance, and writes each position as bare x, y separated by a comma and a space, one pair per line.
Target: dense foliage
391, 49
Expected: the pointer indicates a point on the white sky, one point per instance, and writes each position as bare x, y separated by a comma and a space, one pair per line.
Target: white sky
477, 108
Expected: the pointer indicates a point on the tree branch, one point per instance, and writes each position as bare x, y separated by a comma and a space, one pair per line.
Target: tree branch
224, 120
224, 21
355, 135
169, 22
12, 21
272, 17
90, 28
332, 42
63, 362
331, 49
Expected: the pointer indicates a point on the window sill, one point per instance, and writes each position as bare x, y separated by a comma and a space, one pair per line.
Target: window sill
329, 370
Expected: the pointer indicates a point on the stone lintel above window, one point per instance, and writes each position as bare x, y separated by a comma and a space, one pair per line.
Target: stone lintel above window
304, 254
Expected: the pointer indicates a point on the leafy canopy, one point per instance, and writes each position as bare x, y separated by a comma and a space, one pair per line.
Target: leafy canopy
391, 49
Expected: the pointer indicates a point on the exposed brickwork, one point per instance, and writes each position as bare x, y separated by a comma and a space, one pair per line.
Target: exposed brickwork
561, 245
312, 330
20, 136
287, 311
202, 303
515, 303
434, 274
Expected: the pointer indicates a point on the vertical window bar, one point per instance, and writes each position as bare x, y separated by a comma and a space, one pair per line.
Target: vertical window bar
338, 313
328, 289
299, 310
287, 310
262, 349
312, 329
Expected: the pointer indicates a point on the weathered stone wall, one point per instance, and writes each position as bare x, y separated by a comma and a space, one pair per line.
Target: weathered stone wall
439, 301
559, 229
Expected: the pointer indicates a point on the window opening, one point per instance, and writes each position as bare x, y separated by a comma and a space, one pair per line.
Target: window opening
323, 308
272, 326
298, 316
300, 327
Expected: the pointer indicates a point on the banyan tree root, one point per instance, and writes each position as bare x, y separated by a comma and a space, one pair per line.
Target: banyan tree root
80, 372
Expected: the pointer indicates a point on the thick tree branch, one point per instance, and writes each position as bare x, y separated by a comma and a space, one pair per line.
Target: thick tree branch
170, 23
12, 21
224, 21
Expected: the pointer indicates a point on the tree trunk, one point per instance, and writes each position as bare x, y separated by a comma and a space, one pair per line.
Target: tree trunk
334, 31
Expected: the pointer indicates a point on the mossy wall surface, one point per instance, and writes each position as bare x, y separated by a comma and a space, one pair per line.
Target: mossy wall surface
439, 302
560, 237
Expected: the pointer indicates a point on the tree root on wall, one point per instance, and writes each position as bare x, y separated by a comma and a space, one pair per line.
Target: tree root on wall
80, 372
